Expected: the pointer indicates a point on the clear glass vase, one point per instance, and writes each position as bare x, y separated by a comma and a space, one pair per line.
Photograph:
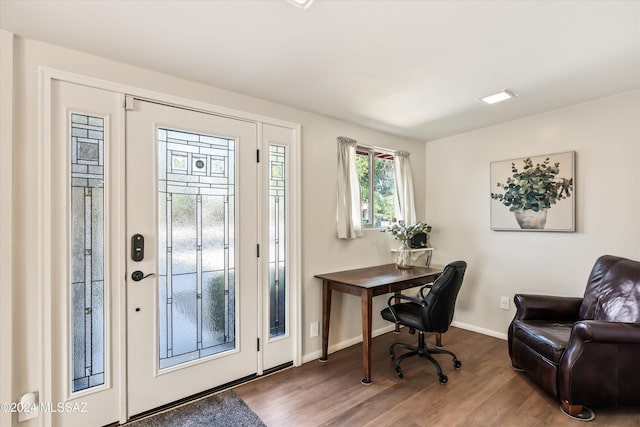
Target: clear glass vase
403, 256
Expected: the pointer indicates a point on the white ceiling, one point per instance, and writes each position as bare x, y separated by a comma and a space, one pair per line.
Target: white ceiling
413, 68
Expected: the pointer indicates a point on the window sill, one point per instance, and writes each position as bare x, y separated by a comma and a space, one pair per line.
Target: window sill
380, 229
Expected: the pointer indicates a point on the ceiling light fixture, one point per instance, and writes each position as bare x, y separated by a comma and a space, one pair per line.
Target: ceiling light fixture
499, 97
303, 4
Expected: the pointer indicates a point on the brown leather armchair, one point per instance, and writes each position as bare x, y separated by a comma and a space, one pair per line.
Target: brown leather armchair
584, 351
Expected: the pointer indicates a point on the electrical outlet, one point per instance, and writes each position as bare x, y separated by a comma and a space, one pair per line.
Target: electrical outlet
504, 303
313, 329
28, 406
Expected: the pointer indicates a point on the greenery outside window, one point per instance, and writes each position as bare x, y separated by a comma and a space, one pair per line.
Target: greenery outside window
377, 179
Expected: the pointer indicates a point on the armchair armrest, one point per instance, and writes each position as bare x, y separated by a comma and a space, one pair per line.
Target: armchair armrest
599, 366
600, 331
546, 307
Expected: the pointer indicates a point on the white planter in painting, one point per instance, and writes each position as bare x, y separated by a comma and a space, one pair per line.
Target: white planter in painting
531, 220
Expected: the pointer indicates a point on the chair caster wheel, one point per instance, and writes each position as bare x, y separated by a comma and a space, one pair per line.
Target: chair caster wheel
399, 373
443, 379
457, 364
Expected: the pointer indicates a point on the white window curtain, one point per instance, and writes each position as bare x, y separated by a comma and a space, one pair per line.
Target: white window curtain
349, 214
405, 205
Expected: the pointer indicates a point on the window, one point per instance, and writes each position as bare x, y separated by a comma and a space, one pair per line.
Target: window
87, 250
277, 239
377, 186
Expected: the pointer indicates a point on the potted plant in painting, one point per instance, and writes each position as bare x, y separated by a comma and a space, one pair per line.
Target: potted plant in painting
403, 232
530, 193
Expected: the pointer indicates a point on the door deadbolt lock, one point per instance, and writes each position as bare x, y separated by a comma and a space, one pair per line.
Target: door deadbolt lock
137, 247
138, 275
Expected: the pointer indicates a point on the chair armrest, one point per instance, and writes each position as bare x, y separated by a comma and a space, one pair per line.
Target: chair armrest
600, 331
599, 366
405, 297
546, 307
400, 296
422, 289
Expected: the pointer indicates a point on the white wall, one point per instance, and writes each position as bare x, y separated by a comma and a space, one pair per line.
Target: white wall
605, 134
321, 251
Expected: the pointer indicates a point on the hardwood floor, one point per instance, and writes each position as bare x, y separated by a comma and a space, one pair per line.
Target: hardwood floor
484, 392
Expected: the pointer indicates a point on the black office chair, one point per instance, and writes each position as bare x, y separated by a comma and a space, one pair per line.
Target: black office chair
431, 312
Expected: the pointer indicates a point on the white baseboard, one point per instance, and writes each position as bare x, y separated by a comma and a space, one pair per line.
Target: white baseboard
479, 330
344, 344
347, 343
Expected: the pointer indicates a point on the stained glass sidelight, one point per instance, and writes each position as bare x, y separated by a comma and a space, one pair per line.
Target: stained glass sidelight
277, 240
87, 251
196, 202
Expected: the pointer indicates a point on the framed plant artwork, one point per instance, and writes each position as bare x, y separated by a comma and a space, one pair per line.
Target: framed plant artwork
534, 193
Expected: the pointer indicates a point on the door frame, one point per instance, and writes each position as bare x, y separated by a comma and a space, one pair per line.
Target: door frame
45, 254
6, 220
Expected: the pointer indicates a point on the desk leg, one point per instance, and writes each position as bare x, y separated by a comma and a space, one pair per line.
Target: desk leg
367, 297
326, 317
397, 301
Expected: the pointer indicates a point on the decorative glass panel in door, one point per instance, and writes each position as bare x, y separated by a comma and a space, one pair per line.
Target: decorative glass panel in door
87, 251
196, 213
277, 240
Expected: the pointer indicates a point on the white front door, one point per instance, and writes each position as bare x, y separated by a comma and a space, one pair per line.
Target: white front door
192, 266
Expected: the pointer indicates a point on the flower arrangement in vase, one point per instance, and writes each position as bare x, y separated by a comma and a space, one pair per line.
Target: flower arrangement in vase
403, 232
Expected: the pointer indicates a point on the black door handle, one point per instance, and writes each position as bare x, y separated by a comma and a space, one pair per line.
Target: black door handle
138, 275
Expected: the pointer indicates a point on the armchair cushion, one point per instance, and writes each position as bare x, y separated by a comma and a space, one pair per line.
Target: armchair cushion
548, 339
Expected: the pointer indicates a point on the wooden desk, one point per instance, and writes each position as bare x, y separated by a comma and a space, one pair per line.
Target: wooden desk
368, 283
